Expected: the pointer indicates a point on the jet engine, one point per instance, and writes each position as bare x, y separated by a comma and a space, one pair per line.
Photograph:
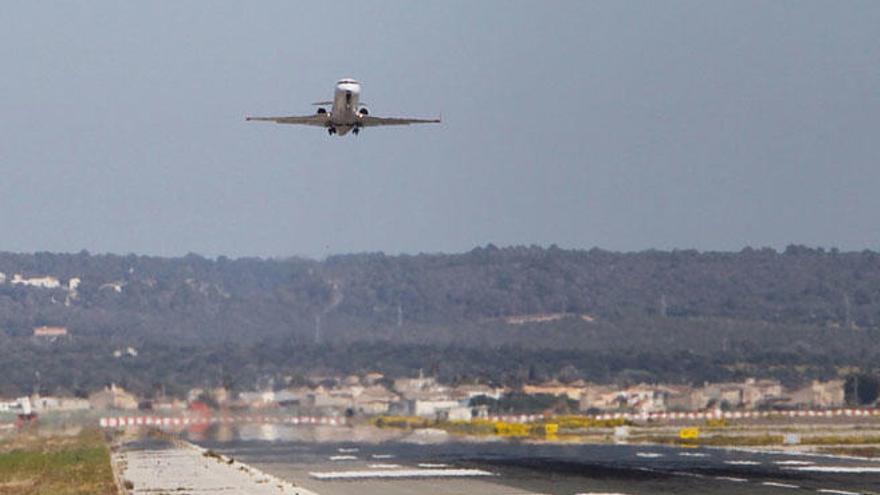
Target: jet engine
364, 111
321, 110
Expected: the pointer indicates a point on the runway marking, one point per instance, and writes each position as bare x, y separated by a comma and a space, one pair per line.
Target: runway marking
689, 475
348, 451
432, 465
649, 455
343, 458
837, 492
399, 473
382, 456
779, 485
794, 463
692, 454
837, 469
742, 463
731, 478
799, 454
384, 466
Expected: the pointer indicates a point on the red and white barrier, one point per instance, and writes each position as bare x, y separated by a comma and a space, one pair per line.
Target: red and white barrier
177, 421
700, 415
180, 421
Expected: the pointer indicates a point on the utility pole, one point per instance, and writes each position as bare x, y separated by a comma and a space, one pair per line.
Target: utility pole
318, 328
856, 390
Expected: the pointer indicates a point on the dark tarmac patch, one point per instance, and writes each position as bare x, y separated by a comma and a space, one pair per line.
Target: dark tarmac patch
550, 466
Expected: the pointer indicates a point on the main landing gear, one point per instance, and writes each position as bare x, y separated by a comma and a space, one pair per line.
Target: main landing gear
354, 130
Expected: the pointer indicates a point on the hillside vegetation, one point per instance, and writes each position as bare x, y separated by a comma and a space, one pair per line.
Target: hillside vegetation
680, 316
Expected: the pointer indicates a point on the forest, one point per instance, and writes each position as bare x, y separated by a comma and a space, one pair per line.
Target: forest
507, 315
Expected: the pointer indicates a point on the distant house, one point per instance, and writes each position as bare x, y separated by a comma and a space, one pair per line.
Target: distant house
372, 378
645, 398
20, 405
431, 408
759, 392
468, 392
685, 398
420, 387
535, 318
322, 398
113, 397
194, 394
168, 404
819, 394
600, 397
50, 333
554, 388
722, 395
749, 394
221, 395
374, 400
258, 399
42, 282
59, 403
457, 413
416, 386
127, 352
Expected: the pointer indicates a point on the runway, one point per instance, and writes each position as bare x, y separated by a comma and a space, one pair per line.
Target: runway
507, 468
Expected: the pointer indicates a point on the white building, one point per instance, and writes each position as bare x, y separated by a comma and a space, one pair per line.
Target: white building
429, 408
457, 413
44, 404
46, 282
22, 405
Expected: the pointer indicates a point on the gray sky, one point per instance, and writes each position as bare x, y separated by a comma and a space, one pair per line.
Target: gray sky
623, 125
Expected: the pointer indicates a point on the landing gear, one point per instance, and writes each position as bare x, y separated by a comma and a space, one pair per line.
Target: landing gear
331, 130
356, 131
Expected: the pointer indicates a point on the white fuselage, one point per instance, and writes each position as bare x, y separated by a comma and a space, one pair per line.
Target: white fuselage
344, 115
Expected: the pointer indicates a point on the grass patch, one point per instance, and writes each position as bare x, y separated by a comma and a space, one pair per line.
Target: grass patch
841, 440
76, 465
714, 440
852, 451
401, 422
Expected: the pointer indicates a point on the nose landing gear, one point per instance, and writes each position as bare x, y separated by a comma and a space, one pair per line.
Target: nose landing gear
331, 130
356, 131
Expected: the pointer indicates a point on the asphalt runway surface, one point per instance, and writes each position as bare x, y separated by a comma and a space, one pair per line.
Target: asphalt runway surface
507, 468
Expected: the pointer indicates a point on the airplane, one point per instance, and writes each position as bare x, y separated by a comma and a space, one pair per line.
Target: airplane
346, 113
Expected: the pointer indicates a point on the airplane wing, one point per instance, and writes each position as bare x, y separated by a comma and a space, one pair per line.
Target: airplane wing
370, 121
318, 119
